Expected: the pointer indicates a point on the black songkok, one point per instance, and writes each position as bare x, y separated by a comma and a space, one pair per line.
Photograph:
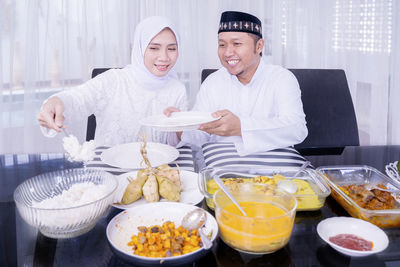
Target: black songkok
234, 21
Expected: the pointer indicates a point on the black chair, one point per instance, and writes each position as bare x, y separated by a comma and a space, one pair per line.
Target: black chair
91, 124
330, 115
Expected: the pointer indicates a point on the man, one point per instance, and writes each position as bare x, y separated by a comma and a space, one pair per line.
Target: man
259, 105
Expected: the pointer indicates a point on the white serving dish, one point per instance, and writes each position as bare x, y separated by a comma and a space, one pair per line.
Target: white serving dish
190, 193
178, 121
124, 225
347, 225
128, 156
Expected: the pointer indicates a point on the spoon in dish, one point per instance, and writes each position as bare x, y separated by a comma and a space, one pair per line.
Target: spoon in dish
374, 186
289, 185
223, 187
195, 219
302, 168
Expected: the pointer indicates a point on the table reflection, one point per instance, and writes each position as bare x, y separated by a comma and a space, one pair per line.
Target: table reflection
23, 245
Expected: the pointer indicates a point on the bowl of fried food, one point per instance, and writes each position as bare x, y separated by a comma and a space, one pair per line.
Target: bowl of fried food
157, 237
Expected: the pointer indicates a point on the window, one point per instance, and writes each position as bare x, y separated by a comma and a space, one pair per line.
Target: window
363, 25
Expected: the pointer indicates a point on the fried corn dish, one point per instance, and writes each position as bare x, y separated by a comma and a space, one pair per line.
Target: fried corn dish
164, 241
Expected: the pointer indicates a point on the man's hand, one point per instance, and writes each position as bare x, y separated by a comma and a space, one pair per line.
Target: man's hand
51, 114
227, 125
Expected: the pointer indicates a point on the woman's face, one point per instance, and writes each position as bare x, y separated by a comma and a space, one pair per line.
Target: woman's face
161, 53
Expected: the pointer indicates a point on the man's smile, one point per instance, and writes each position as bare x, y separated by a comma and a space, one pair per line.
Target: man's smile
233, 62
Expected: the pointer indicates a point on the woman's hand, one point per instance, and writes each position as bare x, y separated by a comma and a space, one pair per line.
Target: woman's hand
168, 111
51, 114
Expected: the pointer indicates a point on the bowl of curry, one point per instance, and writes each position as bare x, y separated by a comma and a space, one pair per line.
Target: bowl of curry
268, 223
365, 193
311, 189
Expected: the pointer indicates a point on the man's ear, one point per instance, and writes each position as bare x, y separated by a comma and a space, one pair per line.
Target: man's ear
260, 46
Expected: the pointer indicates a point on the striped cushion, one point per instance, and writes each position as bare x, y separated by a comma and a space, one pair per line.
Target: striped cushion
225, 154
184, 161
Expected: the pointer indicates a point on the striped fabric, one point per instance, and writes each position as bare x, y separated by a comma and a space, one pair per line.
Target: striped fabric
225, 154
184, 161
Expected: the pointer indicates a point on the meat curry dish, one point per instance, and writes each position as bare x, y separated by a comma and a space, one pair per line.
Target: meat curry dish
373, 199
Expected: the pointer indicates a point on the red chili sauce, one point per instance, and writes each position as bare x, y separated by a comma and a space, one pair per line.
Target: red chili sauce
351, 242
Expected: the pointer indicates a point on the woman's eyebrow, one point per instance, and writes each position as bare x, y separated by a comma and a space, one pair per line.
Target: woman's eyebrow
171, 44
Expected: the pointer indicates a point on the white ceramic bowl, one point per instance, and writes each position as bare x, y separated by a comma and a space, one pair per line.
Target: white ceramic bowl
124, 225
347, 225
64, 222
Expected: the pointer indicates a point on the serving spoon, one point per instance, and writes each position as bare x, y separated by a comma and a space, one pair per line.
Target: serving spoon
374, 186
289, 185
223, 187
196, 219
302, 168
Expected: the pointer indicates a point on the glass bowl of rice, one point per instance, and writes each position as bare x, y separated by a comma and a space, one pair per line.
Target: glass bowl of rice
66, 203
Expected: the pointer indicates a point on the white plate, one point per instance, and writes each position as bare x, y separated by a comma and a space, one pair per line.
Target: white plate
178, 121
190, 191
124, 225
127, 156
347, 225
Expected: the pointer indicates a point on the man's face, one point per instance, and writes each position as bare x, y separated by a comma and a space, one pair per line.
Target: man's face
238, 53
161, 53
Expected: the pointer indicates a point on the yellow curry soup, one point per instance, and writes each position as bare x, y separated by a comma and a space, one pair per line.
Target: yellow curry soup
307, 199
266, 227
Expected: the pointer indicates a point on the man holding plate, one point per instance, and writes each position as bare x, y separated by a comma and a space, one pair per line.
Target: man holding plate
259, 104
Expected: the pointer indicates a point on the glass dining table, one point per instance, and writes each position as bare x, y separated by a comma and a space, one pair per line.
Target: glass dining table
23, 245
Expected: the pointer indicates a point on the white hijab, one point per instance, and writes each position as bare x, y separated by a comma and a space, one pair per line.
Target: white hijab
145, 31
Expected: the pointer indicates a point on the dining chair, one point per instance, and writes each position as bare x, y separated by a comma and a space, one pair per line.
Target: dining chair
330, 115
91, 123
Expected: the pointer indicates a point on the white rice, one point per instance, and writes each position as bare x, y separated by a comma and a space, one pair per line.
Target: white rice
76, 195
77, 152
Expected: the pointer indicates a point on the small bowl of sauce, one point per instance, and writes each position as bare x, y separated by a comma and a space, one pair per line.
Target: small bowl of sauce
352, 237
352, 242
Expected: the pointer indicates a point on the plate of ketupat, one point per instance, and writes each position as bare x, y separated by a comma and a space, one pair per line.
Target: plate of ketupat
139, 187
151, 234
162, 183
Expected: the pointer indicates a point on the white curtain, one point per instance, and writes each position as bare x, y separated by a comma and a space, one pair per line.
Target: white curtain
394, 81
358, 36
51, 45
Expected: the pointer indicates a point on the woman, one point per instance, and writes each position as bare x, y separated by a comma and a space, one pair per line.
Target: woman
120, 97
